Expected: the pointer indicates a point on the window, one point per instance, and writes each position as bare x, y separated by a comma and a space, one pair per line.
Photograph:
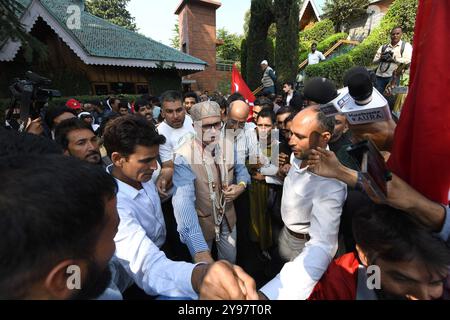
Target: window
101, 89
142, 88
123, 87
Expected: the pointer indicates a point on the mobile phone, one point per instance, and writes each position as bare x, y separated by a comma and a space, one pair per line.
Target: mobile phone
372, 166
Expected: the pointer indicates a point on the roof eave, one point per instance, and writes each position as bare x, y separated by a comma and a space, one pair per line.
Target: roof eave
36, 10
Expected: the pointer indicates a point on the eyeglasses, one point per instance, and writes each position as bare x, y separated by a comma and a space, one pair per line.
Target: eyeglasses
240, 124
217, 126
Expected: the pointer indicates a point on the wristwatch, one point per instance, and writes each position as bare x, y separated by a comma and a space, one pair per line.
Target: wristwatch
242, 183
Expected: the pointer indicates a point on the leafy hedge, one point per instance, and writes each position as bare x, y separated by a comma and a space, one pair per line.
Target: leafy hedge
319, 32
401, 13
324, 45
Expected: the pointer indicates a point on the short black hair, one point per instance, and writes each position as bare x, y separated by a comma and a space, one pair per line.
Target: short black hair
235, 97
171, 96
283, 110
397, 27
53, 113
63, 129
289, 83
221, 101
93, 102
140, 103
155, 100
52, 208
123, 104
267, 113
290, 117
261, 101
393, 235
191, 95
326, 123
15, 143
125, 133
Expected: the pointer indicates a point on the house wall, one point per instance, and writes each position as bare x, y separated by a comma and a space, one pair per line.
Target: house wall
360, 29
197, 23
72, 76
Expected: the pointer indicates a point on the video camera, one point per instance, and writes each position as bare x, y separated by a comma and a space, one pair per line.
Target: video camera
31, 95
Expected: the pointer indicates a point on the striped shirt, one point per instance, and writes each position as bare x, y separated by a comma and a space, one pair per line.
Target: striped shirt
183, 202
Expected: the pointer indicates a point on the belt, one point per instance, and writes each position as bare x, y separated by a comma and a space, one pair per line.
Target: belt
301, 236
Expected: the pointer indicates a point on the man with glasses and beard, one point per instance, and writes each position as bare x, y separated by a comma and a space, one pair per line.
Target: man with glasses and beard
205, 188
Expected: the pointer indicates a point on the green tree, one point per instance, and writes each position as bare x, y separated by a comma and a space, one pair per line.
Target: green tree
230, 49
261, 18
244, 59
12, 28
342, 12
114, 11
175, 41
286, 49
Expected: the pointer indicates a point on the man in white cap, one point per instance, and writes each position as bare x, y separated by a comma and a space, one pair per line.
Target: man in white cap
204, 175
269, 78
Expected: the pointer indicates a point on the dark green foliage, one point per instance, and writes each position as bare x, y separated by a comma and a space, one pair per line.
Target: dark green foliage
11, 28
114, 11
286, 51
230, 49
342, 12
260, 20
244, 59
324, 45
401, 13
175, 40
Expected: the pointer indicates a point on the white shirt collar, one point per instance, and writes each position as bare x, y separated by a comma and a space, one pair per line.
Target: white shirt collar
124, 187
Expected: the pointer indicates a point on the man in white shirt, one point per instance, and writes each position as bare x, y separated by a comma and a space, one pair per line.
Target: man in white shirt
315, 56
175, 125
133, 146
311, 208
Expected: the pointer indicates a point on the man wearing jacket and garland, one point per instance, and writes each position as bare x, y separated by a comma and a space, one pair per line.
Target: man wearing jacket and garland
204, 175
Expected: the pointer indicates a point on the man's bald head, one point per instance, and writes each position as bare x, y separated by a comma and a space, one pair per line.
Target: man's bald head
239, 110
310, 129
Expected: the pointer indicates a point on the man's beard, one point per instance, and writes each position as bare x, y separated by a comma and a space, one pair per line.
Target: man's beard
95, 283
383, 295
97, 154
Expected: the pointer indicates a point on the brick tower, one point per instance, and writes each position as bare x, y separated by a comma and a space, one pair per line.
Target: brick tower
197, 23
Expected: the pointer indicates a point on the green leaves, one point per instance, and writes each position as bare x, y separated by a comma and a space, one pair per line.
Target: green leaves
230, 49
114, 11
342, 12
401, 13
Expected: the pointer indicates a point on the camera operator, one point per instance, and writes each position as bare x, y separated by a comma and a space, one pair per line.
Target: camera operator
390, 56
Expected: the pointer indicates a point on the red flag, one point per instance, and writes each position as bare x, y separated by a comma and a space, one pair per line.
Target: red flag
421, 150
238, 85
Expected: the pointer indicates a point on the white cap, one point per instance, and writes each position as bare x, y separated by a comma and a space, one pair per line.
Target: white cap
265, 62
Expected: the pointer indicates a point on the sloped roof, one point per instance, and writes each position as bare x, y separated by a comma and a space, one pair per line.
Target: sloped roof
317, 6
98, 38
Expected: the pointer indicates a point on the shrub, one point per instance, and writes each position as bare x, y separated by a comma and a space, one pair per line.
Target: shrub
401, 13
319, 32
324, 45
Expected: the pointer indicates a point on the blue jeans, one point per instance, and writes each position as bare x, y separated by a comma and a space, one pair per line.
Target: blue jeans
382, 83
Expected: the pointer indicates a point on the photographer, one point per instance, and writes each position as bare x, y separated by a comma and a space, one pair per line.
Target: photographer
390, 56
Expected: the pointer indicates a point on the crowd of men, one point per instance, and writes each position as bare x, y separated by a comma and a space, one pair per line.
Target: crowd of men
196, 196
